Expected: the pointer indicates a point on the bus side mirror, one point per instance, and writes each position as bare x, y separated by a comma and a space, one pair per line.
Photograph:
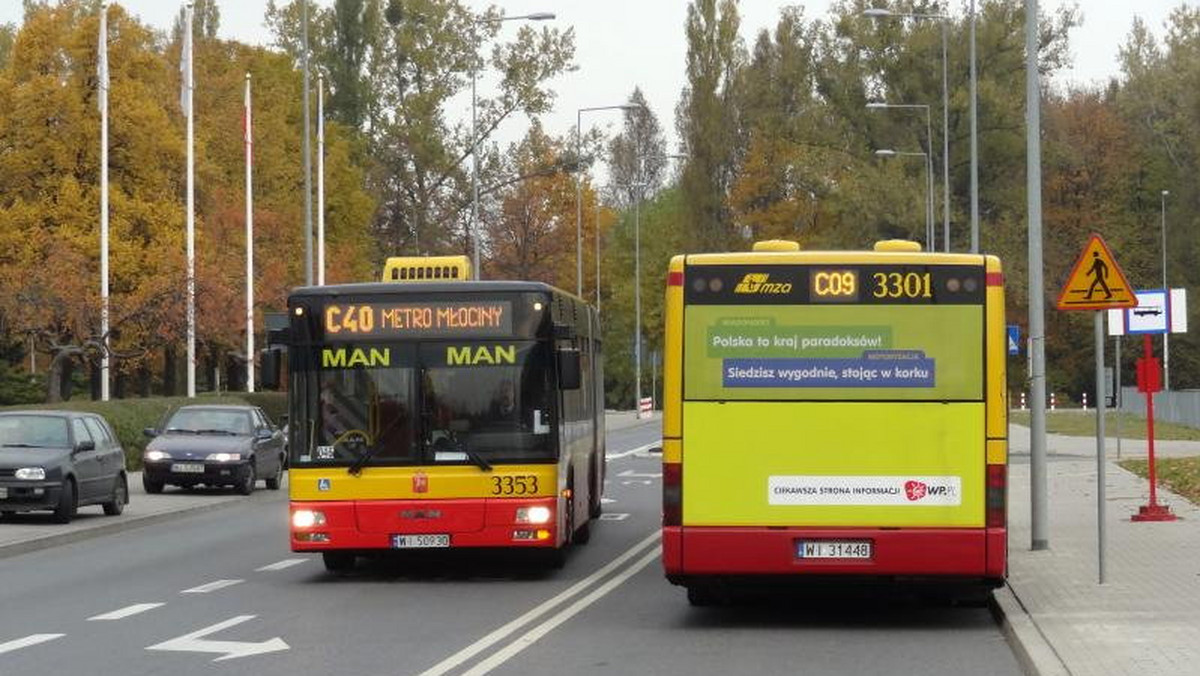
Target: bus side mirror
569, 377
269, 368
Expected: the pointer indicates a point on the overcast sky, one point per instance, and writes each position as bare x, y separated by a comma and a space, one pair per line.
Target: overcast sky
627, 43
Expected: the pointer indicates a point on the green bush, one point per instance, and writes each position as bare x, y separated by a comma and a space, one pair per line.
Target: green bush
129, 417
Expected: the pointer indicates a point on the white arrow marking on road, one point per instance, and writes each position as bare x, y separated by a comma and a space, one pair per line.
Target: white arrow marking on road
614, 516
630, 474
125, 612
639, 449
196, 643
280, 565
211, 586
27, 641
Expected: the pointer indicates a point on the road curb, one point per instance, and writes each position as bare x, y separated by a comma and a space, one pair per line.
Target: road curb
119, 524
1034, 653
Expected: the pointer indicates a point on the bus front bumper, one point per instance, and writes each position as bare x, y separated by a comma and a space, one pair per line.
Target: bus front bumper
697, 551
377, 525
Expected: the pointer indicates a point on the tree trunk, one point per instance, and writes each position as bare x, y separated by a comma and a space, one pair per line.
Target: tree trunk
169, 371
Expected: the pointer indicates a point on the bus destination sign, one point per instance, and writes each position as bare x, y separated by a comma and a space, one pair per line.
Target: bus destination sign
476, 319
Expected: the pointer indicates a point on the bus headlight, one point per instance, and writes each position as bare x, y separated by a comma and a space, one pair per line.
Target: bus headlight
307, 518
536, 514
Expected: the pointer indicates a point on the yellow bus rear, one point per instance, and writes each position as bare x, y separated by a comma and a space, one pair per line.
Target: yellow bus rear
834, 414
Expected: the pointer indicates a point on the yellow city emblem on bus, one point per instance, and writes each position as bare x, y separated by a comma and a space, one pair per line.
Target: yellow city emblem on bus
760, 282
471, 355
332, 358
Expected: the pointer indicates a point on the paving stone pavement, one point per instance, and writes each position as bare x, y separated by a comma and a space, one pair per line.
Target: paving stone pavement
1145, 618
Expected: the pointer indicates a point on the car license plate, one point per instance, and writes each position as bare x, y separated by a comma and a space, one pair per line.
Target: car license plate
834, 549
188, 467
422, 541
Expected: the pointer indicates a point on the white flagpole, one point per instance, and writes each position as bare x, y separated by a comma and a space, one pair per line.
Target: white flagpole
102, 99
188, 87
249, 245
320, 180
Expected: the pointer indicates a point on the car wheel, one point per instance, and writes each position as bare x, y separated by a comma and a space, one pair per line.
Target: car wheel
338, 562
150, 485
66, 503
251, 478
273, 482
120, 497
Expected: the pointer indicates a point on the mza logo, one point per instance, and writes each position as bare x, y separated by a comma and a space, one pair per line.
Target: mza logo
760, 283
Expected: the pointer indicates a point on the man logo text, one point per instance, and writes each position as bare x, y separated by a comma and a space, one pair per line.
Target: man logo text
482, 354
759, 283
344, 358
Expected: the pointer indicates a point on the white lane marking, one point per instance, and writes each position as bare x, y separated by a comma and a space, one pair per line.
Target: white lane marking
614, 516
607, 501
32, 639
499, 634
639, 449
280, 565
211, 586
530, 637
630, 474
636, 482
125, 612
195, 642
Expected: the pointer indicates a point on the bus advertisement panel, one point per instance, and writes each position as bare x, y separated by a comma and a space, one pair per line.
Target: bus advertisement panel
830, 416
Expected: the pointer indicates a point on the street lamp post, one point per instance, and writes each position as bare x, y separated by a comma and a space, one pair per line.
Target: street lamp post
1167, 291
929, 146
929, 236
880, 13
637, 279
579, 194
974, 143
536, 16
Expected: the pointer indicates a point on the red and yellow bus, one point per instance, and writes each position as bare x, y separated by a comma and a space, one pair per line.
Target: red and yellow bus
431, 411
834, 415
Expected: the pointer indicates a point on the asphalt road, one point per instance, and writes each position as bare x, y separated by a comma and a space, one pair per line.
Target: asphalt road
219, 592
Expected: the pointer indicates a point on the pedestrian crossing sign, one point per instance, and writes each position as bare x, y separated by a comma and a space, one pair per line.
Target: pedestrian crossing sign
1096, 281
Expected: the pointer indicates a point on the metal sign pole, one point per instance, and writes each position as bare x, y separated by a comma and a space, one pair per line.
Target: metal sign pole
1117, 391
1100, 459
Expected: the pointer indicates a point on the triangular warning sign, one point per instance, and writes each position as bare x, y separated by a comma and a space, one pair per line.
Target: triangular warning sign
1096, 281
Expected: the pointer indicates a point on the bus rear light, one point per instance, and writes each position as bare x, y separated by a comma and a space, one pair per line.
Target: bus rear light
997, 484
674, 278
672, 494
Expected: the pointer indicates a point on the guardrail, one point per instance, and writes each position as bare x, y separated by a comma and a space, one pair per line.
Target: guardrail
1177, 406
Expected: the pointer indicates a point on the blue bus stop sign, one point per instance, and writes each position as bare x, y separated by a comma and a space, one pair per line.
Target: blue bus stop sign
1014, 339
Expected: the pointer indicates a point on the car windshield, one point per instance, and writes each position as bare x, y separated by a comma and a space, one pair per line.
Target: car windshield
34, 431
209, 421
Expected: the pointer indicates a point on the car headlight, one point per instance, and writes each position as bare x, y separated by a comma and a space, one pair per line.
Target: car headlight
156, 456
31, 473
535, 514
224, 457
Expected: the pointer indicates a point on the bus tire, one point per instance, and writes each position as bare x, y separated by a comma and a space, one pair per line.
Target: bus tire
338, 561
595, 491
702, 596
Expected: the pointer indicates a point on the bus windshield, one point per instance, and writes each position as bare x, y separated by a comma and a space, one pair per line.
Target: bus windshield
436, 403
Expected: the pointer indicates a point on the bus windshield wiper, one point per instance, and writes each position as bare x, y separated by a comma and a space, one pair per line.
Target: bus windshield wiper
476, 458
360, 460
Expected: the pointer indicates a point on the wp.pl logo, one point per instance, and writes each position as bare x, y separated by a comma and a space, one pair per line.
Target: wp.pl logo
915, 490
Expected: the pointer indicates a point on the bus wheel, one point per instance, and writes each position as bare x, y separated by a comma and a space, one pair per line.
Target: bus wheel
595, 492
339, 561
701, 596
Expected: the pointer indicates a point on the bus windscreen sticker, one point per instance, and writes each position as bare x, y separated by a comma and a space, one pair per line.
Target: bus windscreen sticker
842, 352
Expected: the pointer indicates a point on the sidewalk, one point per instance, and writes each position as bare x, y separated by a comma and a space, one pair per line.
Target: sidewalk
1145, 619
29, 532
